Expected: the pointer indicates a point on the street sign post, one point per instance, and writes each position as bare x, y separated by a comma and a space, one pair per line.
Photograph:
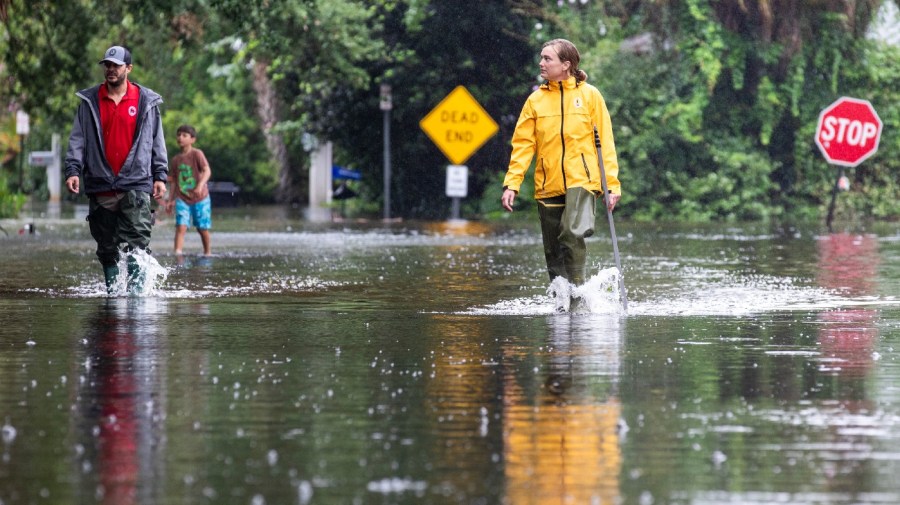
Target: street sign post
457, 181
847, 134
41, 158
386, 104
23, 128
458, 126
457, 186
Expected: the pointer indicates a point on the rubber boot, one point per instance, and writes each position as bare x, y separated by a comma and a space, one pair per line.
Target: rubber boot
135, 277
110, 274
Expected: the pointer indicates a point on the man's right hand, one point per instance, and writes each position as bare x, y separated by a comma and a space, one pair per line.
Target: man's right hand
72, 184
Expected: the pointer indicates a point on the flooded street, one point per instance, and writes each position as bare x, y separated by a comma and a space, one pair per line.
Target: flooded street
410, 363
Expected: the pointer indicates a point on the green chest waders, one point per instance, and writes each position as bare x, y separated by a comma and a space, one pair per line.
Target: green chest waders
565, 222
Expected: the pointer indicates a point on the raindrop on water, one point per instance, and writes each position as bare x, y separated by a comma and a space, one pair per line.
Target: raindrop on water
8, 432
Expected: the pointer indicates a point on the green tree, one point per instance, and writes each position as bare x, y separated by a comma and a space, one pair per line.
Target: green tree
306, 57
715, 109
42, 53
713, 103
216, 97
433, 47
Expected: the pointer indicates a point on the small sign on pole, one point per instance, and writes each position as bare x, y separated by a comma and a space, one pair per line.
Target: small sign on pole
23, 126
457, 186
457, 181
41, 158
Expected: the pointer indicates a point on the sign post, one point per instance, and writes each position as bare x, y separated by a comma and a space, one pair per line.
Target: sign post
23, 127
457, 186
847, 134
458, 126
386, 103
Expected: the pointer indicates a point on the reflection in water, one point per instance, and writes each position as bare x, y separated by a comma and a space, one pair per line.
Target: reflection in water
561, 440
346, 367
459, 405
458, 228
121, 402
848, 263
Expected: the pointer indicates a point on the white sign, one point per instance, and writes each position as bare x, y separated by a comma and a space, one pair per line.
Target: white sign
22, 126
385, 101
40, 158
457, 181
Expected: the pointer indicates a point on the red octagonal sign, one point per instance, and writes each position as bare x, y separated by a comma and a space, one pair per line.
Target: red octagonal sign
848, 131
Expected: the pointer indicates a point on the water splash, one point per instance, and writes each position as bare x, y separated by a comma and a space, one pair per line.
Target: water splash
599, 295
140, 275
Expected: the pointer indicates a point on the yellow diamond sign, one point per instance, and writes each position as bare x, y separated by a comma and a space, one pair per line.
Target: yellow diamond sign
458, 125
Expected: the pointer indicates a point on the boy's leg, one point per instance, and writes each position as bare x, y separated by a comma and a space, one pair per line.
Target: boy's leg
180, 231
204, 239
201, 215
182, 221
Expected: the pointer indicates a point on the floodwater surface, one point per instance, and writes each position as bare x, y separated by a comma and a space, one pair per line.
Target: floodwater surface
409, 363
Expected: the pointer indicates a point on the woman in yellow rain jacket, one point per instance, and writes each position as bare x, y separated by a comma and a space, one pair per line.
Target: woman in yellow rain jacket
556, 129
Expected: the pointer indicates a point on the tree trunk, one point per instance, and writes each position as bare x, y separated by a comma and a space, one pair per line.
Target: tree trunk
267, 109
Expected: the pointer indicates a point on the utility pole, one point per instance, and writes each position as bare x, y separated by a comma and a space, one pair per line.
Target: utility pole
22, 129
386, 104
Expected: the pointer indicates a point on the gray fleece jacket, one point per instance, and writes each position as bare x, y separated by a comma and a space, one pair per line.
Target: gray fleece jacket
146, 162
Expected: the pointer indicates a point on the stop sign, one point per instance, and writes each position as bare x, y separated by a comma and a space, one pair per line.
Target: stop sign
848, 131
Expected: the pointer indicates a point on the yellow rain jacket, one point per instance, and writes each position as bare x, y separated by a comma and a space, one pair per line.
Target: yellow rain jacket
556, 126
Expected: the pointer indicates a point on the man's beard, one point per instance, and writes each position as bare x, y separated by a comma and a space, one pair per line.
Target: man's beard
118, 80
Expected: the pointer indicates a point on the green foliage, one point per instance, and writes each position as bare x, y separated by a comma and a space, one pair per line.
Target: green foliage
431, 48
316, 52
220, 106
875, 184
42, 53
10, 203
714, 119
314, 46
525, 206
230, 139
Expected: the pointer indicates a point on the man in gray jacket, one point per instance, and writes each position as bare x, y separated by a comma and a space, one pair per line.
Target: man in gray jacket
118, 149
